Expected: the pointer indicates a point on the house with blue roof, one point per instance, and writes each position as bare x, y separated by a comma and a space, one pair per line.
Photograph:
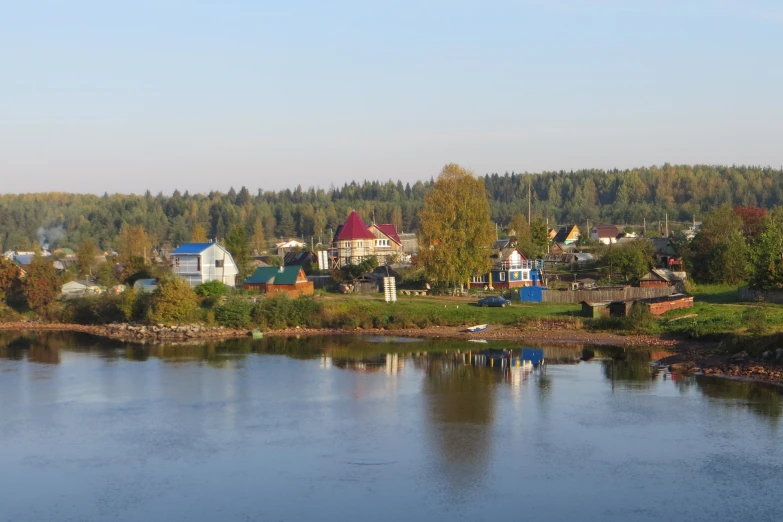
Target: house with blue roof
202, 262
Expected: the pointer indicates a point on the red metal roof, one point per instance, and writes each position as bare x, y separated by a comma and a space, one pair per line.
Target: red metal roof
390, 231
354, 228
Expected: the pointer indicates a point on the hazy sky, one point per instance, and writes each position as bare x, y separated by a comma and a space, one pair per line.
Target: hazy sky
128, 96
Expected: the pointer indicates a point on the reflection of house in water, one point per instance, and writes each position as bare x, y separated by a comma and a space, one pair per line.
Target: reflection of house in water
389, 363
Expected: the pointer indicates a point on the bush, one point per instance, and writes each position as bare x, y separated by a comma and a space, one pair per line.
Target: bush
282, 311
211, 289
101, 309
173, 301
234, 314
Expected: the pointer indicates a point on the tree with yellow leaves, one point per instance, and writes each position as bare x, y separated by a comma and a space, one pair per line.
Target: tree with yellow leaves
455, 232
199, 234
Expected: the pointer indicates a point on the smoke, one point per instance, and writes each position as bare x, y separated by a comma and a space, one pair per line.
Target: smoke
48, 237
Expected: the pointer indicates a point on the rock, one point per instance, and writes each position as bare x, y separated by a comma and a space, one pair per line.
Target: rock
683, 366
766, 355
740, 356
779, 354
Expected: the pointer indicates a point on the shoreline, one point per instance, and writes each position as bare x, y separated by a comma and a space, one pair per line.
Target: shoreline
689, 357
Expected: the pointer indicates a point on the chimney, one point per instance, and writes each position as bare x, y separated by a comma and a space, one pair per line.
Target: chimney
280, 269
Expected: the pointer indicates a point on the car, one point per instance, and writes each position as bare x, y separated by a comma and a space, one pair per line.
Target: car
494, 300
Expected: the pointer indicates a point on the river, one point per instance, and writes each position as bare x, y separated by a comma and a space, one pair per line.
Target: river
374, 429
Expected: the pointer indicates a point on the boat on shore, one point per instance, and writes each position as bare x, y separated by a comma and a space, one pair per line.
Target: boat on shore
258, 334
477, 328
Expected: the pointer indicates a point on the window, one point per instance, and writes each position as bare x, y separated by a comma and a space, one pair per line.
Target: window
525, 275
381, 242
218, 263
502, 276
176, 261
359, 244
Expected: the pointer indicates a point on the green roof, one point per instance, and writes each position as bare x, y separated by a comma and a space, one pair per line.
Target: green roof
273, 275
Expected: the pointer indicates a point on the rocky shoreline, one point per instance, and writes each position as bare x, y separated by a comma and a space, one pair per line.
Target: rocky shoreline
691, 358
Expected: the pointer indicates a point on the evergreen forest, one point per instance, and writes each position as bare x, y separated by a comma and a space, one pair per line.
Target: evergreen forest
630, 197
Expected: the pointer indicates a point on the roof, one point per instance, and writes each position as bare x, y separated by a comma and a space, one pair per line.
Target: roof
268, 275
354, 228
500, 244
660, 273
299, 258
389, 230
584, 256
85, 282
610, 231
191, 248
564, 232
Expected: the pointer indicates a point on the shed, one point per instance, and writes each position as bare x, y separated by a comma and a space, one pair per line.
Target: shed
146, 285
285, 279
659, 277
621, 308
595, 309
532, 294
74, 288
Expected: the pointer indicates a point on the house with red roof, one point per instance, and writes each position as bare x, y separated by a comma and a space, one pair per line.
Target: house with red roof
354, 242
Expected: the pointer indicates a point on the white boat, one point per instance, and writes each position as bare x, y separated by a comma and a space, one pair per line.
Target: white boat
477, 328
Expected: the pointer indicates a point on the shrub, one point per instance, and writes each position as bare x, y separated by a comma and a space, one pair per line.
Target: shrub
282, 311
99, 309
233, 314
173, 301
211, 289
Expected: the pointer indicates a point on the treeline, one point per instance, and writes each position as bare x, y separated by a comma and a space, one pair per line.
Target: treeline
615, 196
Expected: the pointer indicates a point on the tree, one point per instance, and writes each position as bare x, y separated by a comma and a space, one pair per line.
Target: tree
9, 277
319, 222
239, 247
632, 260
134, 244
455, 233
85, 257
41, 286
718, 253
199, 234
765, 270
539, 239
257, 242
174, 301
519, 230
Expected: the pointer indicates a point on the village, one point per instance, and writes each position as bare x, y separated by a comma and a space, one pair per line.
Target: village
361, 259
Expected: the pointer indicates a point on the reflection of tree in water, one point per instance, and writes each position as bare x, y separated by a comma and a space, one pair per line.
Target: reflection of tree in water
40, 348
461, 404
626, 366
764, 400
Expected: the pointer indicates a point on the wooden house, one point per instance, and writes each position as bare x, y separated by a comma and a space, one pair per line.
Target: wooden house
274, 280
510, 269
567, 234
354, 242
606, 234
201, 262
658, 277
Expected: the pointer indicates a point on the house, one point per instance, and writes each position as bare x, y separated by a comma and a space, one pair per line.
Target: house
354, 242
510, 269
288, 245
306, 259
659, 277
201, 262
61, 265
388, 245
552, 234
665, 255
274, 280
81, 287
410, 243
567, 234
606, 234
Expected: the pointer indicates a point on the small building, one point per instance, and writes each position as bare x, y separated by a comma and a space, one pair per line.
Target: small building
595, 309
658, 277
81, 287
510, 269
661, 305
532, 294
410, 243
199, 263
306, 259
274, 280
606, 234
567, 234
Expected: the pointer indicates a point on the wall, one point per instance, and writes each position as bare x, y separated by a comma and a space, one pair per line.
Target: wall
665, 306
748, 294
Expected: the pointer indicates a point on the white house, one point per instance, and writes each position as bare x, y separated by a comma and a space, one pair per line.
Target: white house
202, 262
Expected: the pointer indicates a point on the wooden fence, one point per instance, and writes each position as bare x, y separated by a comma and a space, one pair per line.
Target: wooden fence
748, 294
608, 294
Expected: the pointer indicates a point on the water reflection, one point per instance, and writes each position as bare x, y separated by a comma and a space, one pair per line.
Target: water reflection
462, 385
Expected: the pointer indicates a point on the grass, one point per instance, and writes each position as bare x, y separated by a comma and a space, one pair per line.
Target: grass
409, 312
715, 294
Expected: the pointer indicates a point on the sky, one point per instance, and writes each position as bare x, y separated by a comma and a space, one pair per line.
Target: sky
124, 97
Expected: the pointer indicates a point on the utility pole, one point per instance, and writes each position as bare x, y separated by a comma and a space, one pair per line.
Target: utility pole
667, 224
644, 226
528, 203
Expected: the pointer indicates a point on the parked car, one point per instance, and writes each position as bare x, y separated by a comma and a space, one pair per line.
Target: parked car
494, 300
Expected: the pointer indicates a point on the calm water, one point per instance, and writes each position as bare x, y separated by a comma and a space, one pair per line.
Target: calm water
351, 429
